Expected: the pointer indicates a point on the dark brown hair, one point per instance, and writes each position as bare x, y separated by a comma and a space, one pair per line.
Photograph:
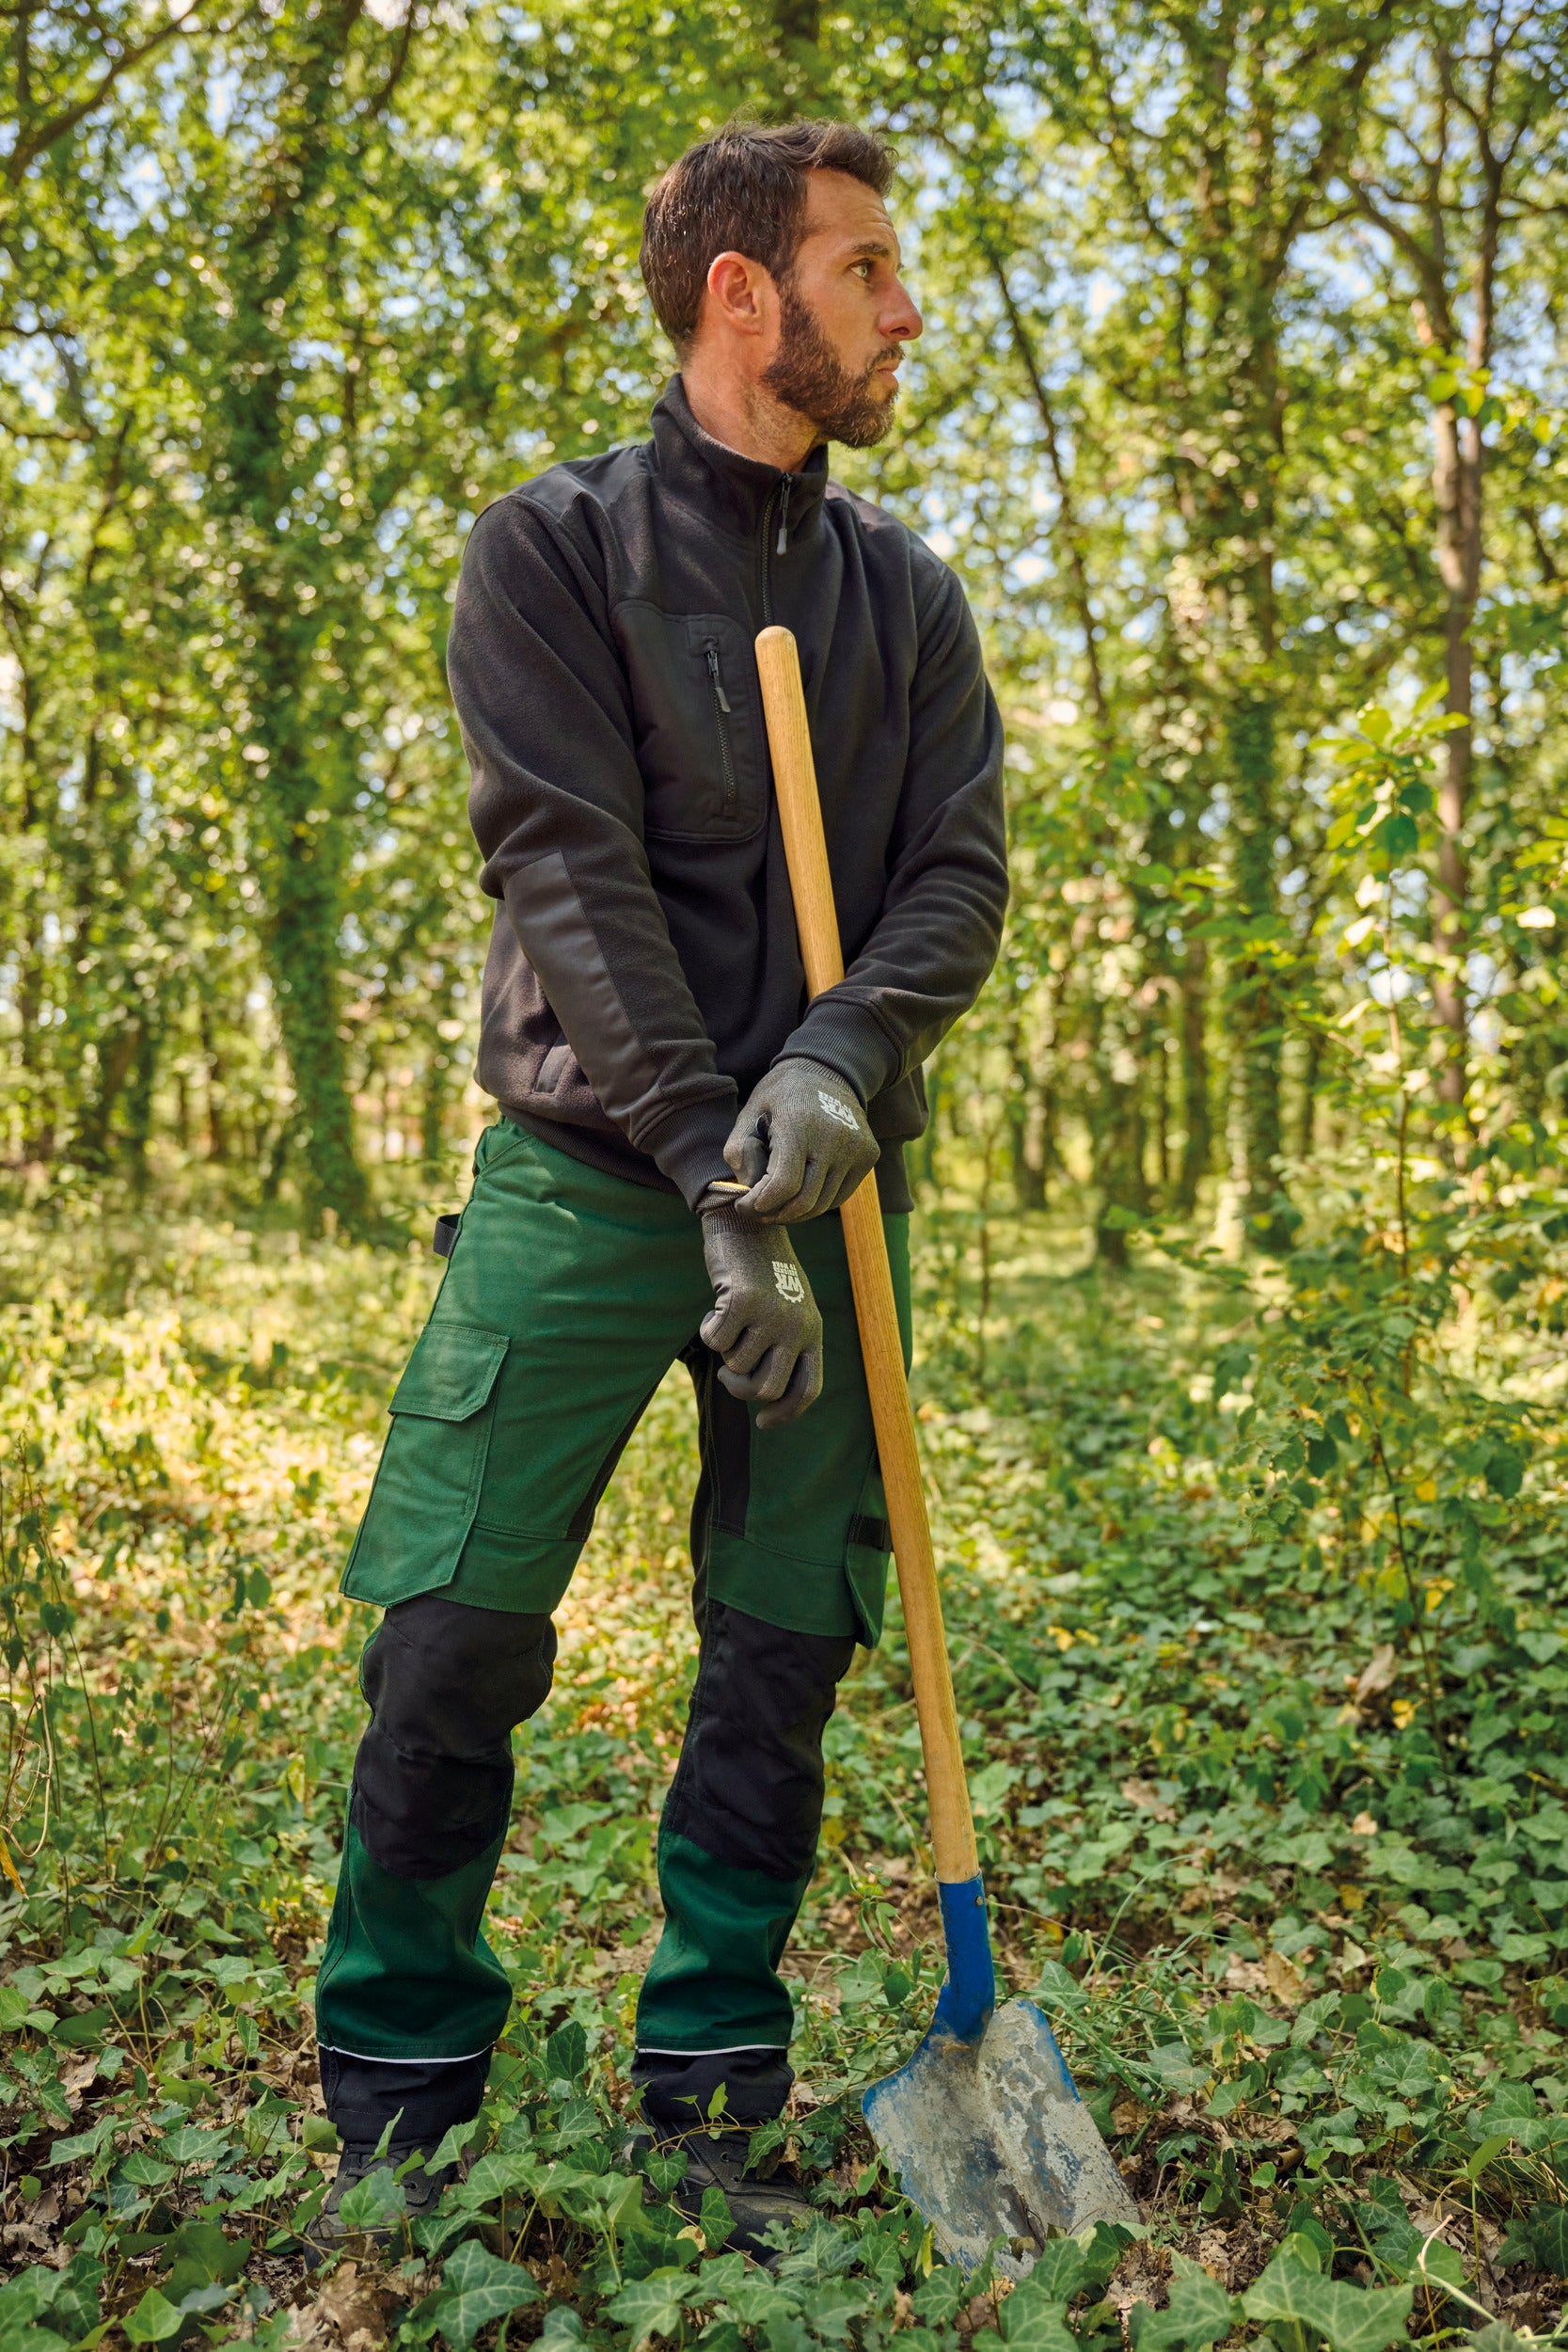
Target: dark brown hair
743, 191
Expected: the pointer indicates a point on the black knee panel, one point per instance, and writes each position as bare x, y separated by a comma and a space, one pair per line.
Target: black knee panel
446, 1684
749, 1788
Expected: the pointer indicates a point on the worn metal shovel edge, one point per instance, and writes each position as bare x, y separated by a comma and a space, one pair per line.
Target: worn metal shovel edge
984, 2125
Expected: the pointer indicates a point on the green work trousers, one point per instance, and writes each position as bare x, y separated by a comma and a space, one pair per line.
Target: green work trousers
568, 1295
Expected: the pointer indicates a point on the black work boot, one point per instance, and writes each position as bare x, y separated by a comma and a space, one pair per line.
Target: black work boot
330, 2234
720, 2160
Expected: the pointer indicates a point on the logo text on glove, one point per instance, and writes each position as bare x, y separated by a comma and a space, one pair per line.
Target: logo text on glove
788, 1279
837, 1109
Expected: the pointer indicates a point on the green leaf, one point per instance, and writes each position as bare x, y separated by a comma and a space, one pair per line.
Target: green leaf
989, 1786
1352, 2318
202, 2253
144, 2172
1199, 2312
212, 2297
89, 2025
1442, 2262
1548, 2238
82, 2144
652, 2306
566, 2051
193, 2144
755, 2300
1488, 2153
452, 2144
478, 2287
714, 2218
1057, 2272
497, 2175
15, 2008
1035, 2326
939, 2300
25, 2297
374, 2202
154, 2320
831, 2309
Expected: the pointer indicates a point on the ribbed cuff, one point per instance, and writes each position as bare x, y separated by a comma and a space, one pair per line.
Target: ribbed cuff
687, 1144
845, 1038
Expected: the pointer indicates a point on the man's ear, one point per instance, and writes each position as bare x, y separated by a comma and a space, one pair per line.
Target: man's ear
740, 292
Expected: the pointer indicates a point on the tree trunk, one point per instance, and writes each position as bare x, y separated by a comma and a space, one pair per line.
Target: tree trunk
305, 774
1118, 1134
138, 1099
1257, 1012
433, 1111
114, 1066
302, 962
217, 1134
1027, 1137
1307, 1110
1457, 483
1197, 1146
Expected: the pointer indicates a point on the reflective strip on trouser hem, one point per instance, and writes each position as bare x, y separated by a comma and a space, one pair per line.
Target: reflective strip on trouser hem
368, 2057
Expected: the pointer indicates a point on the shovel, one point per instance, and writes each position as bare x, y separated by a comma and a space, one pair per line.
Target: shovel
983, 2125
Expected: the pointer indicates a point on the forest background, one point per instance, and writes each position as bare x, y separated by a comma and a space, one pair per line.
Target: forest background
1243, 1287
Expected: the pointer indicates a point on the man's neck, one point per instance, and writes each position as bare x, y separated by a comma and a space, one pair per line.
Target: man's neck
748, 420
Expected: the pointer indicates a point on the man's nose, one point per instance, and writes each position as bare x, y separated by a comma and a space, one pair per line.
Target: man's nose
902, 322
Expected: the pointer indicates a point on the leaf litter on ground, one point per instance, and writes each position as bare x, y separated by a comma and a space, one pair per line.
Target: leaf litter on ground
1305, 1969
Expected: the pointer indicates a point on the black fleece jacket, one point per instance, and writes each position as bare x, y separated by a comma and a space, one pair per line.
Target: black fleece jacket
644, 969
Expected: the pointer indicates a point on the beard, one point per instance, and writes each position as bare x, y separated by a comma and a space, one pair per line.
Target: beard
807, 374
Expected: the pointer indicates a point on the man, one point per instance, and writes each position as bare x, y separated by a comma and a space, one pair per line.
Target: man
646, 1034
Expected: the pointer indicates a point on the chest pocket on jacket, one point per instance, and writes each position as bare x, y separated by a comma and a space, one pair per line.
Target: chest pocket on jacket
699, 723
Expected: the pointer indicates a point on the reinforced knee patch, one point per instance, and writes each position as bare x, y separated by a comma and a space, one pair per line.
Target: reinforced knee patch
446, 1684
749, 1787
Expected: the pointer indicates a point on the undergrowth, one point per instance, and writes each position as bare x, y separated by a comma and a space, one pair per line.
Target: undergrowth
1271, 1793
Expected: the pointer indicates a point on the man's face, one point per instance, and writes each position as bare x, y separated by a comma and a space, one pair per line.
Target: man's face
843, 316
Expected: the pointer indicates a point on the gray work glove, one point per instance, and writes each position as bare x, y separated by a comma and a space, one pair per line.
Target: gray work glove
800, 1142
765, 1322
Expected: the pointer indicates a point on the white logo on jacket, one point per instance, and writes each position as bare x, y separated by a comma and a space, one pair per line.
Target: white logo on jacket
788, 1279
836, 1109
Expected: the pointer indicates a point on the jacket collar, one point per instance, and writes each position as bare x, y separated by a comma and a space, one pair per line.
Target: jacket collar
741, 493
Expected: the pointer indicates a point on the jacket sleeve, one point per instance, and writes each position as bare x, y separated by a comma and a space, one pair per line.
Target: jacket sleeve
927, 957
556, 805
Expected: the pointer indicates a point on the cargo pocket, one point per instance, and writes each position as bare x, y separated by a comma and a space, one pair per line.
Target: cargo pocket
427, 1488
867, 1551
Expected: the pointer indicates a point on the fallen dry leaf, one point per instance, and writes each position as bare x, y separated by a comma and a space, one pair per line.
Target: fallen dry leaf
1378, 1674
1283, 1981
357, 2307
1147, 1798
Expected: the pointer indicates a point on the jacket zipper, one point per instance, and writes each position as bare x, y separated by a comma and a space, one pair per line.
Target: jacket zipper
721, 714
768, 561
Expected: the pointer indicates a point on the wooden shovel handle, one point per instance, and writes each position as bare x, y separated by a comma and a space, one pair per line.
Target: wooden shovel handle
817, 920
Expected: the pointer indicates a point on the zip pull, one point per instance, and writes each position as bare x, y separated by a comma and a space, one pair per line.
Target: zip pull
783, 544
719, 694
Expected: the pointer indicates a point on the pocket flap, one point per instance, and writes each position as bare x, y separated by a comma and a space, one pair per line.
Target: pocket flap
451, 1373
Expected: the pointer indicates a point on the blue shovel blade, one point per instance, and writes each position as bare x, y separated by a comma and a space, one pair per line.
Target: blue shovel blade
983, 2125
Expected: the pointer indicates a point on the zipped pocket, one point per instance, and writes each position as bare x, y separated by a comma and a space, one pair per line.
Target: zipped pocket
697, 724
721, 719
